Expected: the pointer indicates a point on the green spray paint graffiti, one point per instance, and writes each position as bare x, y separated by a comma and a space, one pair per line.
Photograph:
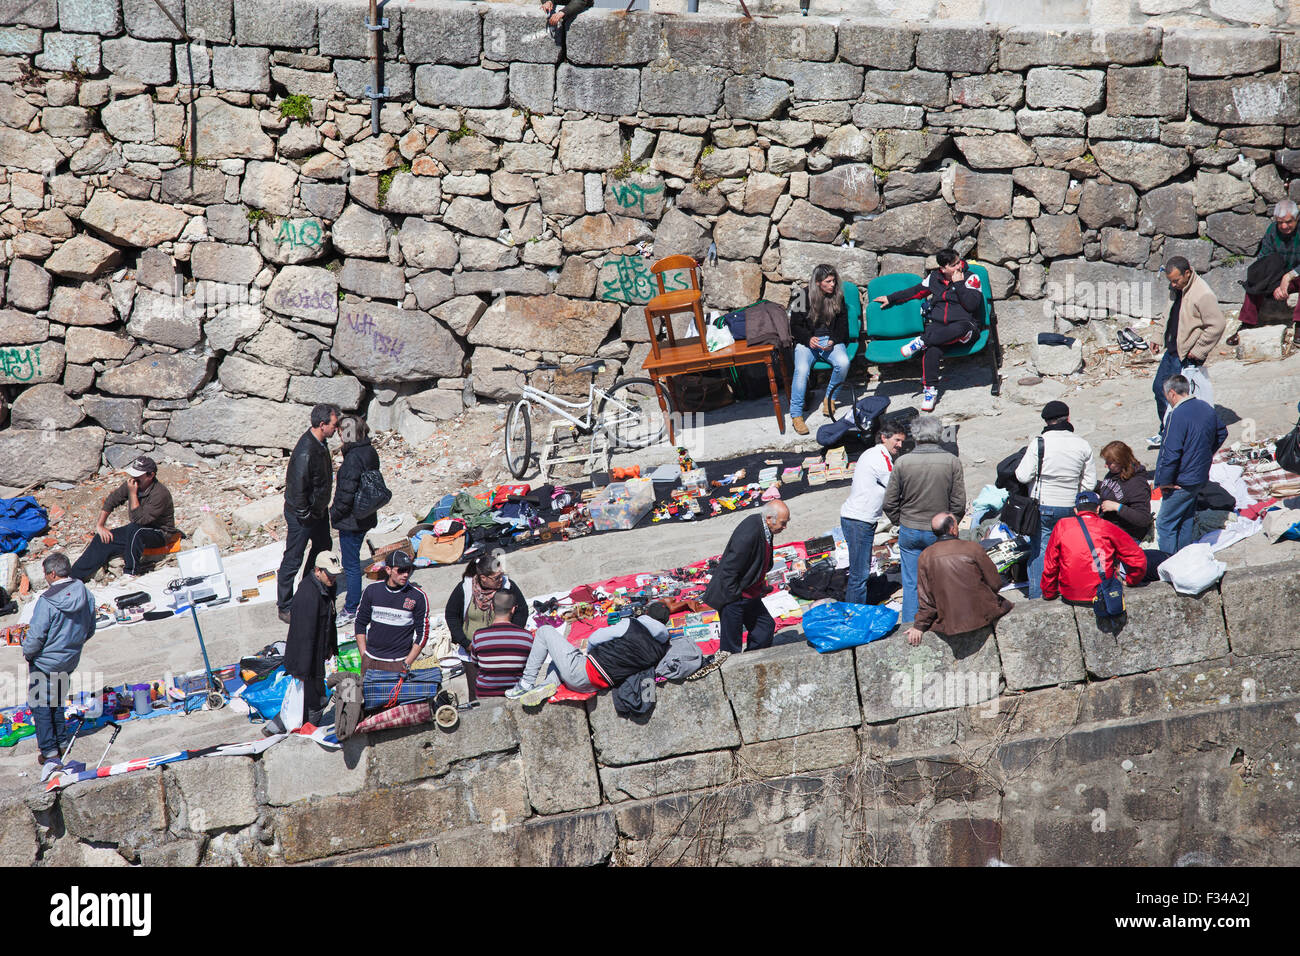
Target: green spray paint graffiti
20, 364
306, 232
633, 282
628, 195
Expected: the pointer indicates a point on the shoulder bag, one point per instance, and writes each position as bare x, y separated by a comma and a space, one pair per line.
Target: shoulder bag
372, 494
1108, 602
1021, 512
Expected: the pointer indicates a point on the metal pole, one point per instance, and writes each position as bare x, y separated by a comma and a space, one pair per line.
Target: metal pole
375, 65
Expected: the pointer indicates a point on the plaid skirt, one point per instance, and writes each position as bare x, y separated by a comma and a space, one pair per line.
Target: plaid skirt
421, 684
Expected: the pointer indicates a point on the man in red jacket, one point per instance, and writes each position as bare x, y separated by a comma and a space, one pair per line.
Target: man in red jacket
1068, 566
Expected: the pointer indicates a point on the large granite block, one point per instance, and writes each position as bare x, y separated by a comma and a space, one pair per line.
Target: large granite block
1258, 604
555, 745
1038, 643
791, 690
898, 680
1163, 628
688, 718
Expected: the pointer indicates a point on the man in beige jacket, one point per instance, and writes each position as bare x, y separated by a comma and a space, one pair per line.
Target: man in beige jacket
1195, 325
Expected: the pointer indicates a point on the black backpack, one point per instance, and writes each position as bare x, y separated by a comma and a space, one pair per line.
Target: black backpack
372, 494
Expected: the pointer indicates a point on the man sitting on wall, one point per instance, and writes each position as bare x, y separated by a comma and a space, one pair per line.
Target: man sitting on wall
1282, 240
151, 519
957, 585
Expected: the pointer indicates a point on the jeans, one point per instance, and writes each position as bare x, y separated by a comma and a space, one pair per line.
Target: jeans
1048, 516
317, 531
45, 693
568, 662
350, 555
936, 336
804, 357
748, 615
858, 535
1176, 522
1169, 365
911, 542
129, 541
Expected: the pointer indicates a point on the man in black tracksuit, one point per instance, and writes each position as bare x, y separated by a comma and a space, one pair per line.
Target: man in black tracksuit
955, 301
307, 487
739, 582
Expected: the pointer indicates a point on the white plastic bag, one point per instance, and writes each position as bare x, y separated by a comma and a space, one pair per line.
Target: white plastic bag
1192, 569
1200, 382
718, 337
291, 710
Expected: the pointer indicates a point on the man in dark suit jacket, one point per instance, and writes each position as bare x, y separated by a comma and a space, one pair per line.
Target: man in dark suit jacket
739, 582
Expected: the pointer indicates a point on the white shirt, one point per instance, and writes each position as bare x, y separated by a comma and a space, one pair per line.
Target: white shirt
1067, 468
866, 499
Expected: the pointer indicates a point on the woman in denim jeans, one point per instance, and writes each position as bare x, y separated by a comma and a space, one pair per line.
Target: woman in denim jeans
819, 325
358, 456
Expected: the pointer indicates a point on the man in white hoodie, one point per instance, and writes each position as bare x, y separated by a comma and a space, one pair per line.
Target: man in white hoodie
1066, 470
866, 502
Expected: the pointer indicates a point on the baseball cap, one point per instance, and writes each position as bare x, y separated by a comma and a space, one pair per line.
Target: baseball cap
144, 465
1055, 410
1085, 498
399, 560
329, 562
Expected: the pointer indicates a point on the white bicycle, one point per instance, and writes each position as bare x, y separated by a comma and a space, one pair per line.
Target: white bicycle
631, 414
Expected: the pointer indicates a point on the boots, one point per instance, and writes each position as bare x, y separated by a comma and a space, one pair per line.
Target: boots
796, 422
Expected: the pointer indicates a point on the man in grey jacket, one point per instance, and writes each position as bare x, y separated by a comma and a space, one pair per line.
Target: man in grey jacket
924, 482
62, 621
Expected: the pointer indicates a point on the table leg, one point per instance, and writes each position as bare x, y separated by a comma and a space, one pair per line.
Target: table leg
776, 395
667, 416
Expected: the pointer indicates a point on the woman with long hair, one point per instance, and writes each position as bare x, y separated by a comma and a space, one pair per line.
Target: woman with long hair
358, 456
1125, 490
469, 607
819, 325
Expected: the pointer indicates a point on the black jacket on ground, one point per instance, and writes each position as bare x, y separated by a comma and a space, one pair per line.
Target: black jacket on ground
309, 479
357, 458
313, 632
801, 321
949, 301
459, 600
741, 565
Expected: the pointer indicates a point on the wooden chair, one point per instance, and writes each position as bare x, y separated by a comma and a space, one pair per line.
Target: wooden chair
692, 355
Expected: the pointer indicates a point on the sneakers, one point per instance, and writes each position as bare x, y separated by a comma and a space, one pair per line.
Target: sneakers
797, 423
929, 396
284, 616
1155, 441
345, 619
710, 664
911, 348
532, 696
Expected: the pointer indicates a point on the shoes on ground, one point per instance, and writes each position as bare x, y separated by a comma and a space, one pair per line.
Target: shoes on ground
797, 423
284, 616
828, 407
911, 348
929, 396
1155, 441
345, 619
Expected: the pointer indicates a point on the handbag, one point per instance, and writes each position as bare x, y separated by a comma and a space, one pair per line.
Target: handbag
443, 549
372, 494
1021, 512
1109, 600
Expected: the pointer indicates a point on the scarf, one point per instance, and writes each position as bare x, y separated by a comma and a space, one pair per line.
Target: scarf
1058, 427
481, 596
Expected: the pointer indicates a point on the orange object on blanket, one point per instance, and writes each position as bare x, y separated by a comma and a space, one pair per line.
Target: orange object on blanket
622, 474
170, 546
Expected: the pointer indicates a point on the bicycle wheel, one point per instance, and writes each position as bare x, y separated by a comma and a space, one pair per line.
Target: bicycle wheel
518, 439
631, 414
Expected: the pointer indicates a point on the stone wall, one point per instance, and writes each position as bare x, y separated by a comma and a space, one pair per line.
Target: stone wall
202, 237
1174, 741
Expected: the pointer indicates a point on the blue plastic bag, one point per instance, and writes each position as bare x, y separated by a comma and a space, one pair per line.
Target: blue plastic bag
21, 519
266, 697
835, 626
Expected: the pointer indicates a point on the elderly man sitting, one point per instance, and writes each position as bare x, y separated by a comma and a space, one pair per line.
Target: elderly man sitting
1282, 238
956, 585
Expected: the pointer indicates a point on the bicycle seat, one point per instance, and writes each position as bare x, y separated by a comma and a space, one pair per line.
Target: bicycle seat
592, 367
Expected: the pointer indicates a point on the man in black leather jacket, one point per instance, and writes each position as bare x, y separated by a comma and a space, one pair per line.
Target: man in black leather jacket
307, 487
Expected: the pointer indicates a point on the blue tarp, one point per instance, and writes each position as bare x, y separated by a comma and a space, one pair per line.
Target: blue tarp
21, 519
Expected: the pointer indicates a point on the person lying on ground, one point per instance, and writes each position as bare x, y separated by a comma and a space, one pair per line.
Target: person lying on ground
151, 518
613, 654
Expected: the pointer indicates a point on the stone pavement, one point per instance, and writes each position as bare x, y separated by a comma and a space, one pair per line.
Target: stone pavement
988, 429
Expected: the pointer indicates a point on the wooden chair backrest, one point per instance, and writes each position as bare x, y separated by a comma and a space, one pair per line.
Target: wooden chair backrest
676, 264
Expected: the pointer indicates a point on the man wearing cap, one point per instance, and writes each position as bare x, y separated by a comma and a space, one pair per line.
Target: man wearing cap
152, 519
1068, 566
392, 626
313, 634
1066, 470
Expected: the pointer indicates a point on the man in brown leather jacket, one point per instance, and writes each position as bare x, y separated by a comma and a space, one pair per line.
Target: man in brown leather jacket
957, 585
